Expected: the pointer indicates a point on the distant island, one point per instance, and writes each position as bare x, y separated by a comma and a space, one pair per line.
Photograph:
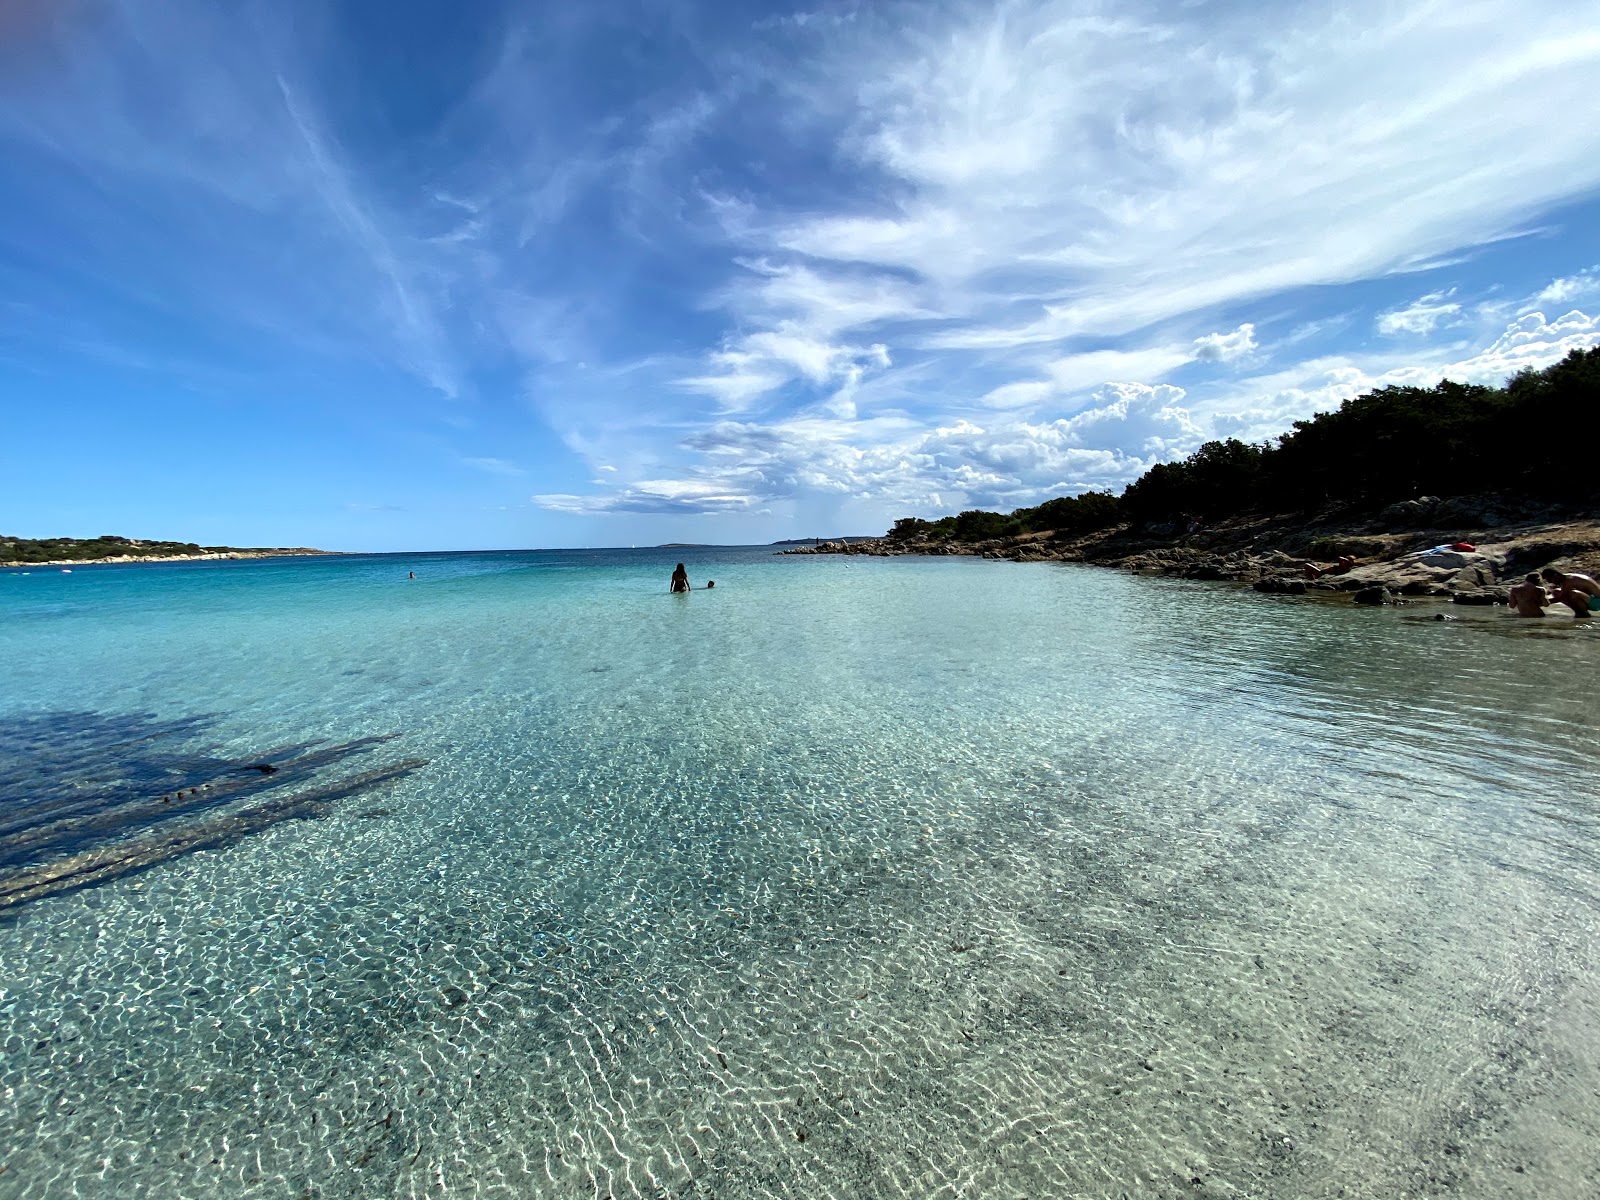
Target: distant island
110, 548
1454, 491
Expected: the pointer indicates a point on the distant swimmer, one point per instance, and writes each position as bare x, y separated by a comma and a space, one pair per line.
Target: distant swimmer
1528, 598
680, 580
1578, 592
710, 583
411, 574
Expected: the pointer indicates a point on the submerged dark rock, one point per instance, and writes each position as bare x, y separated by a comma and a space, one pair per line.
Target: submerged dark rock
86, 798
1276, 585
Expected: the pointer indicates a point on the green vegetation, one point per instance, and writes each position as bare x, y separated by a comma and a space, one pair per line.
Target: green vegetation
15, 550
1065, 514
1392, 444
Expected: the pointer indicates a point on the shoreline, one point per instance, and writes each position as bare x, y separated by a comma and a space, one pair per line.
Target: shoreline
1268, 553
204, 556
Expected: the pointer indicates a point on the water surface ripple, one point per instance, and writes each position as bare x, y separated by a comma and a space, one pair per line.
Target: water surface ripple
899, 878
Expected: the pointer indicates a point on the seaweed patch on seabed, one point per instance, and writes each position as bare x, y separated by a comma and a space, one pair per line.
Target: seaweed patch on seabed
88, 797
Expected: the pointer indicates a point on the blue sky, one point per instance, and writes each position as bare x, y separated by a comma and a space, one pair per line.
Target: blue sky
427, 276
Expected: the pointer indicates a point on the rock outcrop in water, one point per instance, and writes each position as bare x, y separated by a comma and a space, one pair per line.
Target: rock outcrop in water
1269, 553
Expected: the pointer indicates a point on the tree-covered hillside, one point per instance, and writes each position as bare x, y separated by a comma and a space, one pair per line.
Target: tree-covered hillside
1528, 438
21, 550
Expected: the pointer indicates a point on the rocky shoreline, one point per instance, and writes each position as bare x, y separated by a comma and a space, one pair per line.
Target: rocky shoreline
1268, 553
205, 556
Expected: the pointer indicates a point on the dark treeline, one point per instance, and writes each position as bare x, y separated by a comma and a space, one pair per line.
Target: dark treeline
1393, 444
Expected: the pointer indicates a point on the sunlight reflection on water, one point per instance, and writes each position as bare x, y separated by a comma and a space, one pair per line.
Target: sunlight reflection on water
852, 877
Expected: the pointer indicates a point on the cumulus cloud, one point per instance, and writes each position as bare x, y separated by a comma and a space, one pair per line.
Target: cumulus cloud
1266, 405
1226, 347
1421, 316
1136, 415
1002, 462
1528, 342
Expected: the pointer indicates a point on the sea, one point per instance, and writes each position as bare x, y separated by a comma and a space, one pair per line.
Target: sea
851, 877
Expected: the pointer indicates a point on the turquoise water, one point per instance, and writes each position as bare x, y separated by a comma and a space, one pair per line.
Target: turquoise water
852, 877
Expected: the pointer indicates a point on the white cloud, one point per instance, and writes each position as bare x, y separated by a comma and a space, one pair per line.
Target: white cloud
999, 461
1025, 393
653, 496
1226, 347
1136, 415
1578, 286
1266, 405
1047, 174
758, 363
1422, 316
1528, 342
899, 302
1145, 166
1080, 372
797, 317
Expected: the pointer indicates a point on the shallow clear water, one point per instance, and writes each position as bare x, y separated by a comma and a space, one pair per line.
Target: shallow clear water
852, 877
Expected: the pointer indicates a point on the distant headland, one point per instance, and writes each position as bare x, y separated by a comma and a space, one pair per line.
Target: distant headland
111, 548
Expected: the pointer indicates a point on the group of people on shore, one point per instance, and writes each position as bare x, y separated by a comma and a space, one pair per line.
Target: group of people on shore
1529, 598
1580, 593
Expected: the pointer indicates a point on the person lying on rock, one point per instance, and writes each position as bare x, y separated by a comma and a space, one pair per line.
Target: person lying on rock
1344, 566
1578, 592
1528, 598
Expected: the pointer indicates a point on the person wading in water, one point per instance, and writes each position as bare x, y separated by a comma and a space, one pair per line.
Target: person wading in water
680, 580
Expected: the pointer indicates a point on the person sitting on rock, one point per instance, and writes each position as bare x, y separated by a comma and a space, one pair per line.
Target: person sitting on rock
1344, 566
1578, 592
1528, 598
